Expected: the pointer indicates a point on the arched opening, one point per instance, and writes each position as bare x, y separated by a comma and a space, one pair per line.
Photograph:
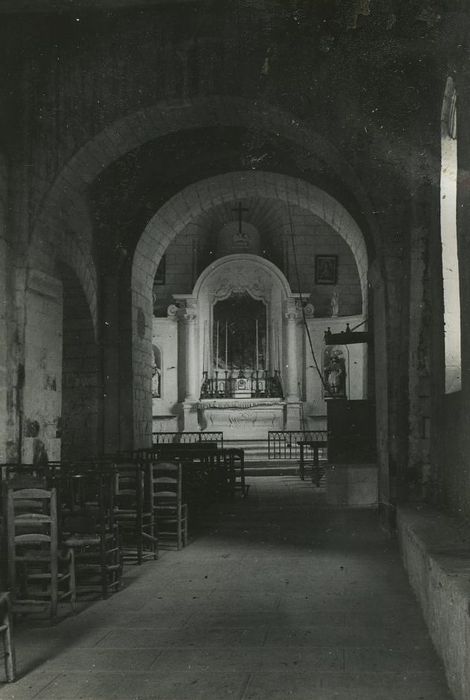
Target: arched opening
151, 125
450, 256
292, 199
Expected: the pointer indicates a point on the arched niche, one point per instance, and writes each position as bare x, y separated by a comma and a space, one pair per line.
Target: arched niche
240, 274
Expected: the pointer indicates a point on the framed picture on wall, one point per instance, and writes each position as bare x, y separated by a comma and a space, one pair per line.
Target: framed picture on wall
161, 272
326, 269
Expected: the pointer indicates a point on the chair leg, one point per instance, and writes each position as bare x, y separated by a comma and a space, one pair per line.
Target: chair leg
140, 546
104, 581
10, 660
154, 540
185, 525
72, 581
54, 587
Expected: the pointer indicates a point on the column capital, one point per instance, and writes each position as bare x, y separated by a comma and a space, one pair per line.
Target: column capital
293, 310
172, 312
187, 312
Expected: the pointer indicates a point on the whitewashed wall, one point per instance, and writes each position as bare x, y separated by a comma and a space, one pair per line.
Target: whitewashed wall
164, 409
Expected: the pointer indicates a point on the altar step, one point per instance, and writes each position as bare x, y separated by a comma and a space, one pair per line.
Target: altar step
256, 459
255, 450
273, 468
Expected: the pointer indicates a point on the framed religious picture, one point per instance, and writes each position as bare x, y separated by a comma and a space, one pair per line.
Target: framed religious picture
326, 269
161, 272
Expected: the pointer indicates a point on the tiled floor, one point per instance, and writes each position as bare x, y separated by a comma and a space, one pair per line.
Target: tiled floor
276, 598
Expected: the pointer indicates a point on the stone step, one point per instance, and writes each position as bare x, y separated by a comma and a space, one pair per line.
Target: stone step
265, 468
255, 450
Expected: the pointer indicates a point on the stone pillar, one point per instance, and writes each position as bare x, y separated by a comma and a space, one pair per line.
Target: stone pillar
188, 316
424, 209
292, 359
387, 480
292, 316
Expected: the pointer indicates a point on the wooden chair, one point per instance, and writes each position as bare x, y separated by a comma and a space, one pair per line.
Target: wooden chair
40, 572
89, 528
310, 457
6, 632
133, 512
237, 465
167, 498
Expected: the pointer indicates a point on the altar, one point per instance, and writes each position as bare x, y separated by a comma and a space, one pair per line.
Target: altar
242, 419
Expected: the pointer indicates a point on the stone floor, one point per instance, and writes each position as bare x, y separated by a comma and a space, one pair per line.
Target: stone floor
276, 597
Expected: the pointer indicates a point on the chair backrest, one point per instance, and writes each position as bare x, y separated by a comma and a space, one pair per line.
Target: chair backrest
166, 484
87, 499
31, 524
26, 472
129, 485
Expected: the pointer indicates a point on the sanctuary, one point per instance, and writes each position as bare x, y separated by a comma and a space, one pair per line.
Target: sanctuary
243, 353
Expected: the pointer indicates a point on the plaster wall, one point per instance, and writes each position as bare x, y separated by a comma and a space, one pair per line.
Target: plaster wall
7, 392
42, 400
164, 409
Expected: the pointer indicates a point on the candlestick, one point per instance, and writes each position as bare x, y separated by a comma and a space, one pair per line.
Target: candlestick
257, 348
204, 348
226, 344
267, 343
278, 348
210, 349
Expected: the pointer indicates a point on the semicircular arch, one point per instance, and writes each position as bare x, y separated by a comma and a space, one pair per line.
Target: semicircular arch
164, 118
178, 212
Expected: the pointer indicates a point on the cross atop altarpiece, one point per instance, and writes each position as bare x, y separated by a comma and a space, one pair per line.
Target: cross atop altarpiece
239, 210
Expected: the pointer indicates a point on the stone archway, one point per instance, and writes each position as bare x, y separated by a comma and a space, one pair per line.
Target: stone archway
67, 194
66, 199
175, 215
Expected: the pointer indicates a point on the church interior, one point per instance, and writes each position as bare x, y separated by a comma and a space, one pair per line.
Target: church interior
235, 357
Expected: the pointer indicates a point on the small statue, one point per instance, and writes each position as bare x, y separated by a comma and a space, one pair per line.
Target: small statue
335, 377
334, 303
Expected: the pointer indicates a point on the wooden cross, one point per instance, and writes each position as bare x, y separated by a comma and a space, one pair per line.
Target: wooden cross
240, 209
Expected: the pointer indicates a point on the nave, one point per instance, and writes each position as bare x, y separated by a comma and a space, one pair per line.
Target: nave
276, 597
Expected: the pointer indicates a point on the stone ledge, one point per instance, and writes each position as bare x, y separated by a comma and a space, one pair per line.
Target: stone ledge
436, 554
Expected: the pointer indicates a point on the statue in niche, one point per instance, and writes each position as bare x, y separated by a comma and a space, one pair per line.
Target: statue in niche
156, 373
334, 303
334, 373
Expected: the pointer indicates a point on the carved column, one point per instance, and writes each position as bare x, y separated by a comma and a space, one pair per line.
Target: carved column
292, 316
188, 316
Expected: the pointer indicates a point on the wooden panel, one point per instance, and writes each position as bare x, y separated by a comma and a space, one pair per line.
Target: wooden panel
351, 431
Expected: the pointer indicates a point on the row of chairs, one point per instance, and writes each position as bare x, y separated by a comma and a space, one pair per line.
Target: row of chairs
66, 528
225, 467
86, 521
